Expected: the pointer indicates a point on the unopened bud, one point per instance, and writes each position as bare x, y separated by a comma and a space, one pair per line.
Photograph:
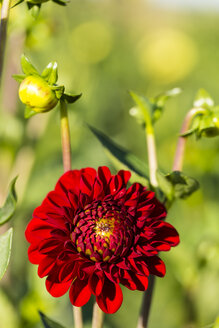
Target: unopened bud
37, 94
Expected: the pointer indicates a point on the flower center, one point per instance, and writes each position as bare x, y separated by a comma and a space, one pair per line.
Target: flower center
103, 231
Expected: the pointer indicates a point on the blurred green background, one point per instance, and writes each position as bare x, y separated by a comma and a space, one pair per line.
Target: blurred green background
103, 49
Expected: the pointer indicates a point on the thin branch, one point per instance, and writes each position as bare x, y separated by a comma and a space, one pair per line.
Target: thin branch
180, 148
65, 135
146, 304
3, 31
98, 315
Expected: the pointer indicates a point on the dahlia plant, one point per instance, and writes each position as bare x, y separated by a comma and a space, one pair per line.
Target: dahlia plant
96, 231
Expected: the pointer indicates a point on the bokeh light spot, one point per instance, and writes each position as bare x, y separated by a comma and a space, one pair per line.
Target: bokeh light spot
167, 55
91, 42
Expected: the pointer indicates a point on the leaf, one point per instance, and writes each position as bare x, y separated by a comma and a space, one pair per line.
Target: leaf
160, 101
27, 67
8, 208
183, 185
203, 99
144, 106
17, 3
61, 2
28, 112
59, 90
123, 159
48, 323
19, 77
35, 9
50, 73
5, 250
165, 185
70, 98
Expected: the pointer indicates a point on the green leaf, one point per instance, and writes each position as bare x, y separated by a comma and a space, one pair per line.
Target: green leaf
28, 112
61, 2
203, 99
144, 106
48, 323
27, 67
165, 185
5, 250
35, 9
17, 3
70, 98
59, 90
123, 159
50, 73
19, 77
183, 185
8, 208
160, 101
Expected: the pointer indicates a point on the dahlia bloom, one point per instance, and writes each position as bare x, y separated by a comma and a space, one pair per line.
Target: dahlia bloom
93, 233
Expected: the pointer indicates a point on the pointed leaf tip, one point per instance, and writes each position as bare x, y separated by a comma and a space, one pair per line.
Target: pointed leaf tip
8, 208
27, 67
48, 323
50, 73
122, 159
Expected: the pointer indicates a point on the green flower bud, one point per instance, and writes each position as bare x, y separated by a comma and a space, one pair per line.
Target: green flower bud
35, 92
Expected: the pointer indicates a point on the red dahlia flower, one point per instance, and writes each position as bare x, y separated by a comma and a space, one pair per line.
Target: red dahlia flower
92, 233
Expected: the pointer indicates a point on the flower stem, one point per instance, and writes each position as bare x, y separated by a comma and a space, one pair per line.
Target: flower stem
66, 155
98, 315
152, 161
65, 135
78, 320
3, 31
180, 148
152, 157
146, 303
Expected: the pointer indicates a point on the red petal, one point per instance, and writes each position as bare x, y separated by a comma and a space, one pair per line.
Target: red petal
80, 292
96, 283
33, 254
111, 297
56, 289
45, 266
155, 266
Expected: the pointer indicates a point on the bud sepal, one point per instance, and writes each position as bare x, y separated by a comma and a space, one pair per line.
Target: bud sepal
39, 92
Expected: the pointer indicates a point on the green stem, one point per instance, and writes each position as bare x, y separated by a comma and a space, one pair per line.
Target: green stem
180, 148
3, 31
66, 155
98, 315
146, 303
152, 161
65, 136
152, 157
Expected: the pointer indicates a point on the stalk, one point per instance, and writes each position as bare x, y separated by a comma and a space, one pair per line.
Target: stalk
152, 161
66, 155
146, 303
65, 136
3, 31
180, 148
98, 315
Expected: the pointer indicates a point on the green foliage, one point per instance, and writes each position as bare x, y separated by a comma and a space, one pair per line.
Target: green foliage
8, 208
50, 73
5, 250
149, 110
27, 67
48, 323
176, 185
122, 159
46, 80
205, 122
